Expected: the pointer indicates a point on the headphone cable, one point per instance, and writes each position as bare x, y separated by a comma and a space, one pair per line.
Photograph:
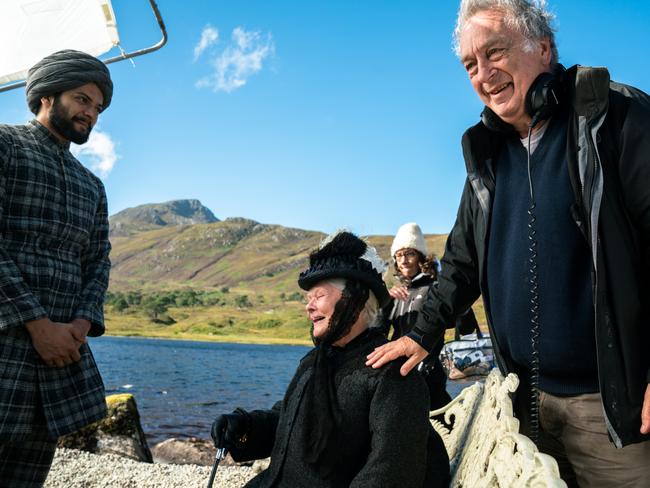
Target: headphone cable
534, 301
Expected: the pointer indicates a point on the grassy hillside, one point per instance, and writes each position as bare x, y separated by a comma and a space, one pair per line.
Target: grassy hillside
233, 280
262, 323
224, 253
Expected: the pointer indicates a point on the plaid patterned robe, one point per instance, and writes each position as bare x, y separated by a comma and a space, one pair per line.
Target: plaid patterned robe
53, 262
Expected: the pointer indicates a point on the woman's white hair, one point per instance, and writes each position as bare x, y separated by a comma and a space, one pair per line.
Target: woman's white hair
371, 308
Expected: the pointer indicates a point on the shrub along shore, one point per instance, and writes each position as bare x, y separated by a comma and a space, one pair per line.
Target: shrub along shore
221, 315
218, 315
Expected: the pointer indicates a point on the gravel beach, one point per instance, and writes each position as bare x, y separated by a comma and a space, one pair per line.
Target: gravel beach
80, 469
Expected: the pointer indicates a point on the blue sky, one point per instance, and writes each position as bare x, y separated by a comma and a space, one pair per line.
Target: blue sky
316, 115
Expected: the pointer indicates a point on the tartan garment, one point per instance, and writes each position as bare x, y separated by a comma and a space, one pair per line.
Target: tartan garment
53, 262
26, 463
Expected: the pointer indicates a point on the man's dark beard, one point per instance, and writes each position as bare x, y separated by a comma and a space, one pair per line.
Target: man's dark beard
65, 126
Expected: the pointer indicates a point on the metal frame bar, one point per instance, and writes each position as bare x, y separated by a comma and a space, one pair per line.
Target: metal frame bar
122, 56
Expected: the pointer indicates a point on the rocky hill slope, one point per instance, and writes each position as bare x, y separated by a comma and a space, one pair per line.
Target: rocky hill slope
155, 216
150, 254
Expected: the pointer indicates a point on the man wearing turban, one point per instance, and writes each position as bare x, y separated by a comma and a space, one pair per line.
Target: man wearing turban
54, 267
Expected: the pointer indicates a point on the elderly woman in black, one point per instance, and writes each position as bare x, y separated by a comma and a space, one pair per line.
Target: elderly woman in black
342, 423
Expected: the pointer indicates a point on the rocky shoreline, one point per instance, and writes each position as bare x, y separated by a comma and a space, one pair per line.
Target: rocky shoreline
113, 452
80, 469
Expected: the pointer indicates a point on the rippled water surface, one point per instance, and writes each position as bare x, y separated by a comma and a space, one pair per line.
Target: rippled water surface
181, 386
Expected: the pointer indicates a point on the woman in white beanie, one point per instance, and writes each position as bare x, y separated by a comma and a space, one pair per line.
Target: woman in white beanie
416, 272
408, 265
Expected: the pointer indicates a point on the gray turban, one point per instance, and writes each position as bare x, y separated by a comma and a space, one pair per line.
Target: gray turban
65, 70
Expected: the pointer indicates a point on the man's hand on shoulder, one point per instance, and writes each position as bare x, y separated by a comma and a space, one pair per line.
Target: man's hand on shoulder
404, 346
57, 344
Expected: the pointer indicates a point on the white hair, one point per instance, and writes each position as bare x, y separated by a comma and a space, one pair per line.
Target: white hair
530, 18
371, 307
338, 283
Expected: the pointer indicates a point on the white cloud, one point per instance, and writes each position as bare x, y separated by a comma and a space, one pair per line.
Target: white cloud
241, 59
98, 153
209, 36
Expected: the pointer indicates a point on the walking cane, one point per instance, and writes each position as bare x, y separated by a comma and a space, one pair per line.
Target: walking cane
221, 453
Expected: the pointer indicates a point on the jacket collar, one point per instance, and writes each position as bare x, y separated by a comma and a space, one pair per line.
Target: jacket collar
421, 279
589, 91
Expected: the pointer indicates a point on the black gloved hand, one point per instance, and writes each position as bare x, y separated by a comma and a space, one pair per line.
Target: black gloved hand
230, 430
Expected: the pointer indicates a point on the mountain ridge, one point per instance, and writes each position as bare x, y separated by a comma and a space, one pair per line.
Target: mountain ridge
232, 252
152, 216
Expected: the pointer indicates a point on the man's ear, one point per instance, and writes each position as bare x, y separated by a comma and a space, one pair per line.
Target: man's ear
546, 51
47, 101
46, 104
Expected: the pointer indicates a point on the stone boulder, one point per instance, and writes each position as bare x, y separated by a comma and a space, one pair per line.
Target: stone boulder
118, 433
184, 451
197, 451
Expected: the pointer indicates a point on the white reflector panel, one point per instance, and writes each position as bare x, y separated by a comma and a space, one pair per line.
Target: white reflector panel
32, 29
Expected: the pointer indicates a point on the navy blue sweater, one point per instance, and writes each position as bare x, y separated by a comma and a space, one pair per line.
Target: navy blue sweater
567, 340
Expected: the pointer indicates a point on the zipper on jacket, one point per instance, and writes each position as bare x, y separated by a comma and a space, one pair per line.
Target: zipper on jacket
595, 250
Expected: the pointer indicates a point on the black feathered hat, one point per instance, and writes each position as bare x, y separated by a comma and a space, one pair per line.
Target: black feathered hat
344, 255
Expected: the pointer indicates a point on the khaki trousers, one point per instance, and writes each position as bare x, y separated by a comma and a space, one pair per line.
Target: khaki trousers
573, 431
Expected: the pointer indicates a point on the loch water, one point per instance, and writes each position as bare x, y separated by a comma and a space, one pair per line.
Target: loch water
181, 386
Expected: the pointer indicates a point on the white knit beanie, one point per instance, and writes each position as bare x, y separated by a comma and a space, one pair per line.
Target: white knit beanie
409, 236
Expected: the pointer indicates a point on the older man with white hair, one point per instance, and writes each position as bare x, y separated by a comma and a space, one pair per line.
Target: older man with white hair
553, 231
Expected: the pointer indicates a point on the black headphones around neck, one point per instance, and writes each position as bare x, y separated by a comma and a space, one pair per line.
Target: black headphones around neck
545, 95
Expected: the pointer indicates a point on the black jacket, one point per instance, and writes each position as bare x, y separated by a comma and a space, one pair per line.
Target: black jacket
402, 315
386, 439
608, 153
